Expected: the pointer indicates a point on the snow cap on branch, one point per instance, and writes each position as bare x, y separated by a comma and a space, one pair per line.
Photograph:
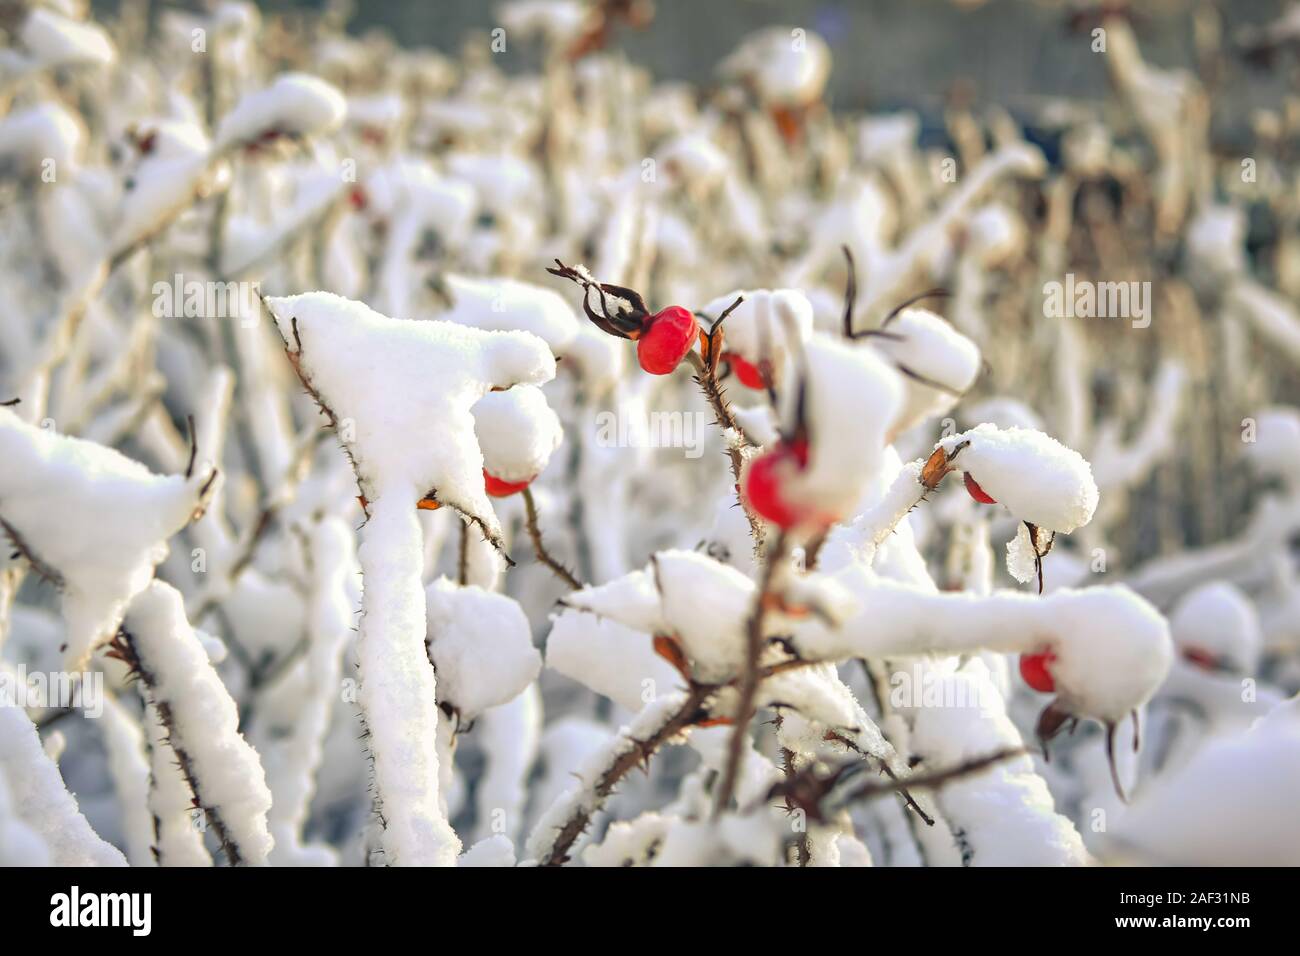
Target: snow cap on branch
1276, 448
45, 132
401, 393
851, 396
295, 105
171, 170
609, 658
40, 816
1231, 804
1006, 814
52, 40
91, 519
1038, 479
1111, 647
781, 71
702, 604
1217, 627
684, 595
507, 304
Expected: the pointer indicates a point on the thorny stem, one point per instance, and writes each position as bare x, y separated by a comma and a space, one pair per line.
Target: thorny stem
808, 790
751, 677
707, 378
936, 778
535, 533
888, 772
692, 711
124, 649
803, 848
712, 388
21, 548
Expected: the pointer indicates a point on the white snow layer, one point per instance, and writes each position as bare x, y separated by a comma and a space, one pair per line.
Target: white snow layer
763, 326
481, 647
1112, 647
852, 397
1232, 804
1005, 814
922, 343
41, 810
508, 304
94, 518
204, 725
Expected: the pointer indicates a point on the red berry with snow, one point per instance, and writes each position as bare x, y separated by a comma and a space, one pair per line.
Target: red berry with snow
747, 372
766, 483
1034, 669
665, 339
502, 489
976, 492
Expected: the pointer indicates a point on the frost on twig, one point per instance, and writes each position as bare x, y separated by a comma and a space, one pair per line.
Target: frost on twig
201, 721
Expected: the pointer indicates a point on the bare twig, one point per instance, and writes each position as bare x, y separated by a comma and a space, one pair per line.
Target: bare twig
693, 711
535, 533
888, 772
751, 677
936, 778
123, 649
810, 791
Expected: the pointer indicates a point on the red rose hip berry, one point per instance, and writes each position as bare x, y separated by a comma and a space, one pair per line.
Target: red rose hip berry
502, 489
748, 373
766, 481
976, 492
1034, 669
665, 339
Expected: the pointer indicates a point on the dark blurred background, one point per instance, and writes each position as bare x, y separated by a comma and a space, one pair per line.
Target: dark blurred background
887, 52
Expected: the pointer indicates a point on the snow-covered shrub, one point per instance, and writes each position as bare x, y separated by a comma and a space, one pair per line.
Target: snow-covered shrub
397, 452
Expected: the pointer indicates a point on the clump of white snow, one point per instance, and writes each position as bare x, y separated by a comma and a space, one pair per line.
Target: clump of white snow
92, 519
295, 105
517, 431
506, 304
480, 645
938, 363
1217, 626
780, 70
1037, 478
851, 398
